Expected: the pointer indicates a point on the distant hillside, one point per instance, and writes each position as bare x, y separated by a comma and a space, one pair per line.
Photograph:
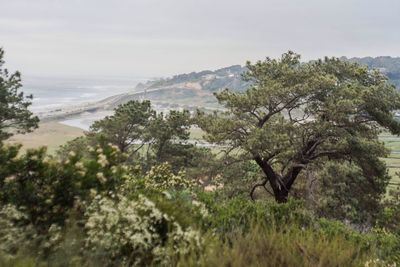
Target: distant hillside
230, 77
191, 90
205, 80
388, 65
195, 88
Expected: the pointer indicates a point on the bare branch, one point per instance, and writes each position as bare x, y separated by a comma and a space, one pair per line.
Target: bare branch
262, 183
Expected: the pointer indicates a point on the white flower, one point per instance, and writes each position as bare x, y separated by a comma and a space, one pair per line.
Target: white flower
120, 223
101, 177
9, 179
79, 165
167, 195
102, 160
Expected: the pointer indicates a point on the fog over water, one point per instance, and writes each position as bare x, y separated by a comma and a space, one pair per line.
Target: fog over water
52, 93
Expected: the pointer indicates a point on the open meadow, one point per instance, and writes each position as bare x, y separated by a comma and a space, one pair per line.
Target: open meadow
393, 160
49, 134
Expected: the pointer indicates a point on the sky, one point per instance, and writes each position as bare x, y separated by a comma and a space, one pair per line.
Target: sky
148, 38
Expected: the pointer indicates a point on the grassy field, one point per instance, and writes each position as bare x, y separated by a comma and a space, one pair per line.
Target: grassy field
50, 134
393, 161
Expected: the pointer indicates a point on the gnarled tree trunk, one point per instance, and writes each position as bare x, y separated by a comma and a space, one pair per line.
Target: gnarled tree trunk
280, 185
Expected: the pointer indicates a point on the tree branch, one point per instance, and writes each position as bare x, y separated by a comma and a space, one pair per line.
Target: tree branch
263, 183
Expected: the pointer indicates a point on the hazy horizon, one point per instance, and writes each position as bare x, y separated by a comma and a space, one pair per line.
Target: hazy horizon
55, 38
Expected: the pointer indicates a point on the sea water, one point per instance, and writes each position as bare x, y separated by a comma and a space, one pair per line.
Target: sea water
52, 93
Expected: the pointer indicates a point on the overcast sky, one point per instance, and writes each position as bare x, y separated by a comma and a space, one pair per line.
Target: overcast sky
159, 38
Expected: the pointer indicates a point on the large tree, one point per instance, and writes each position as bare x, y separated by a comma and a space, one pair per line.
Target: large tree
14, 114
300, 115
127, 125
169, 133
135, 125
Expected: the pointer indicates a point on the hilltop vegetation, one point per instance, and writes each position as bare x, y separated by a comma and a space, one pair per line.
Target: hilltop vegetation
198, 87
194, 87
390, 66
229, 77
286, 188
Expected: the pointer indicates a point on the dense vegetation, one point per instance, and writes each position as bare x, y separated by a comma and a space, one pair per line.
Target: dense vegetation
196, 89
230, 77
135, 191
388, 65
14, 113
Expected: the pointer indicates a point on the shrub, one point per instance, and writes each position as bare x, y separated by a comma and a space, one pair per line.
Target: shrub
133, 232
239, 213
275, 245
45, 188
162, 177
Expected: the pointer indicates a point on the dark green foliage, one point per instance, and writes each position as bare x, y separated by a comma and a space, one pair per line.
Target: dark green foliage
297, 115
188, 214
14, 113
346, 193
168, 134
390, 66
389, 216
126, 125
147, 137
273, 246
238, 177
239, 214
46, 189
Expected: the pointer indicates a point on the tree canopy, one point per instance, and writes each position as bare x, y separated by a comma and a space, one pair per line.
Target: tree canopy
146, 135
297, 115
126, 125
14, 113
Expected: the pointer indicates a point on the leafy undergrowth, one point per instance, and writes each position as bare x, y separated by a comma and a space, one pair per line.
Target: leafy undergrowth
271, 246
280, 235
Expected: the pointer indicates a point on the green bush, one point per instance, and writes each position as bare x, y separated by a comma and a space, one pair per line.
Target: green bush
89, 209
45, 188
133, 231
120, 216
274, 245
239, 213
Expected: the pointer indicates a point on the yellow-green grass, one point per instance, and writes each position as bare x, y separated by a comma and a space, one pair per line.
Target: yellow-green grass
393, 160
196, 133
50, 134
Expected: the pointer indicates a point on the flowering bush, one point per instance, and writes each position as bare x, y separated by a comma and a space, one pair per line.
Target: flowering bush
134, 232
18, 234
162, 177
46, 188
13, 229
40, 192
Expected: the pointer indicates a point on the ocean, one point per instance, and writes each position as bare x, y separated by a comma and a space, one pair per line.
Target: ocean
50, 93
